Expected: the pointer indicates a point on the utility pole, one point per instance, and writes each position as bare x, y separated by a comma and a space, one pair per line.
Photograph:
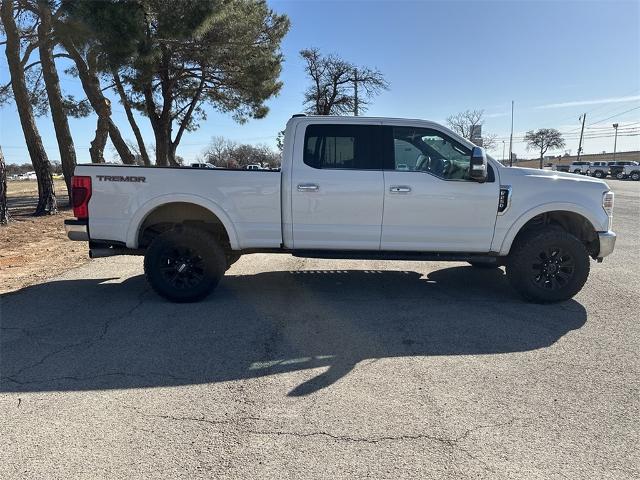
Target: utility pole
355, 92
584, 117
511, 138
503, 145
615, 141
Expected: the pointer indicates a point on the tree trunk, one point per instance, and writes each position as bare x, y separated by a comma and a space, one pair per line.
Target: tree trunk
96, 150
52, 84
46, 192
132, 120
541, 155
162, 147
102, 106
4, 210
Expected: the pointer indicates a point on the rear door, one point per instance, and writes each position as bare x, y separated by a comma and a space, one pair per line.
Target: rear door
430, 204
337, 187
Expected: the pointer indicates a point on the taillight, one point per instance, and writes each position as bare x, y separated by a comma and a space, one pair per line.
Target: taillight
80, 195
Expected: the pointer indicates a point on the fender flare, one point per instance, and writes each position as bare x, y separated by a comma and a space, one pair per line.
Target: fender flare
144, 210
516, 226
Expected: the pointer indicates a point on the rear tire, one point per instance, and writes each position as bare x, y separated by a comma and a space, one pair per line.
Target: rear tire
184, 264
635, 176
620, 176
547, 266
599, 174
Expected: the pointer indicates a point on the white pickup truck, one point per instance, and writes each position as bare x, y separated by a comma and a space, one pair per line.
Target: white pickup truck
350, 187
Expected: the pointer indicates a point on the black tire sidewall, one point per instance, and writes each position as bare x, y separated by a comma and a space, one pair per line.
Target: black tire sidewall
526, 250
201, 242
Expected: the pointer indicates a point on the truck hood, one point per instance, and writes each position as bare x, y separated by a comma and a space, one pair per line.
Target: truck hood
508, 173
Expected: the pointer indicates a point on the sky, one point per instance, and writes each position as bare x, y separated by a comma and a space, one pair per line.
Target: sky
555, 59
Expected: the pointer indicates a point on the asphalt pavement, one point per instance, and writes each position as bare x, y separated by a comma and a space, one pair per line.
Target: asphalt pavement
318, 369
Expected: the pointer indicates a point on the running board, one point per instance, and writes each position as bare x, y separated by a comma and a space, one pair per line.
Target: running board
410, 256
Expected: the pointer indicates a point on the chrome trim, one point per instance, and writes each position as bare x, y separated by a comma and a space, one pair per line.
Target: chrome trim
607, 243
77, 232
509, 190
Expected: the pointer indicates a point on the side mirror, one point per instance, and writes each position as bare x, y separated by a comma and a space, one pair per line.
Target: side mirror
478, 167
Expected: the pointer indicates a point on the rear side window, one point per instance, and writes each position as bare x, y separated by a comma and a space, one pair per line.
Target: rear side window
341, 147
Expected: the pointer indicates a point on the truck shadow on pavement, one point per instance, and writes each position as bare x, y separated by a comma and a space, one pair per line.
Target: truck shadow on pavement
98, 334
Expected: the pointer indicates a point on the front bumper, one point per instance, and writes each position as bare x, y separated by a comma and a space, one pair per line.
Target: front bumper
607, 242
77, 230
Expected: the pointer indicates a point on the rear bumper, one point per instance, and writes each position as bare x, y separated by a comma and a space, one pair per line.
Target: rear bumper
607, 243
77, 230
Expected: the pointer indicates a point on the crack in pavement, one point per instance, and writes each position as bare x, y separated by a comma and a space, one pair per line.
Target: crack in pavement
450, 442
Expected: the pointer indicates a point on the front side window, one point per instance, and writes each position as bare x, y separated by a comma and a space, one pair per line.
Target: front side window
340, 147
427, 150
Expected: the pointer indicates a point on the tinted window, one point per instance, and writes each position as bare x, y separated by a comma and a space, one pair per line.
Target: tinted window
341, 147
427, 150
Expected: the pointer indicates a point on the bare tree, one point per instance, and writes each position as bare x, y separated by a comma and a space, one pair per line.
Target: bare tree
228, 154
543, 140
218, 151
338, 87
47, 203
4, 210
465, 124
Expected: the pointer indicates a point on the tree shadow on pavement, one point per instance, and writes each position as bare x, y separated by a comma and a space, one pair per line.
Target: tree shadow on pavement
104, 333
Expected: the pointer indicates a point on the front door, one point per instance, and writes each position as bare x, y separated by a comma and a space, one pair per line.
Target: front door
430, 204
337, 189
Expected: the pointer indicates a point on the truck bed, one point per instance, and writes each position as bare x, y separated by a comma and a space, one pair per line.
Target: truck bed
247, 202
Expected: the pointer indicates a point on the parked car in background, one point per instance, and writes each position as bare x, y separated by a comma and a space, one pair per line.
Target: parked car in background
202, 165
598, 169
254, 166
624, 170
561, 168
579, 167
27, 176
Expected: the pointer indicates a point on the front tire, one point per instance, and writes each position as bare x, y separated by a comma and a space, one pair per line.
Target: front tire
184, 264
548, 266
599, 174
620, 176
635, 176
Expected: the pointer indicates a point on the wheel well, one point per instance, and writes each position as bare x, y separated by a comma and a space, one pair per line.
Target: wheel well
571, 222
168, 216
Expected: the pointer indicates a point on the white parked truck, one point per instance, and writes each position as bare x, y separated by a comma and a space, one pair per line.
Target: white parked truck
580, 168
350, 187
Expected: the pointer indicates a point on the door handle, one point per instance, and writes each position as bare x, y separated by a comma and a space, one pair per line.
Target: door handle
307, 187
399, 189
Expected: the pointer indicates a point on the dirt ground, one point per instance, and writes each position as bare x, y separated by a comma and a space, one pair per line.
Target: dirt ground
33, 249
